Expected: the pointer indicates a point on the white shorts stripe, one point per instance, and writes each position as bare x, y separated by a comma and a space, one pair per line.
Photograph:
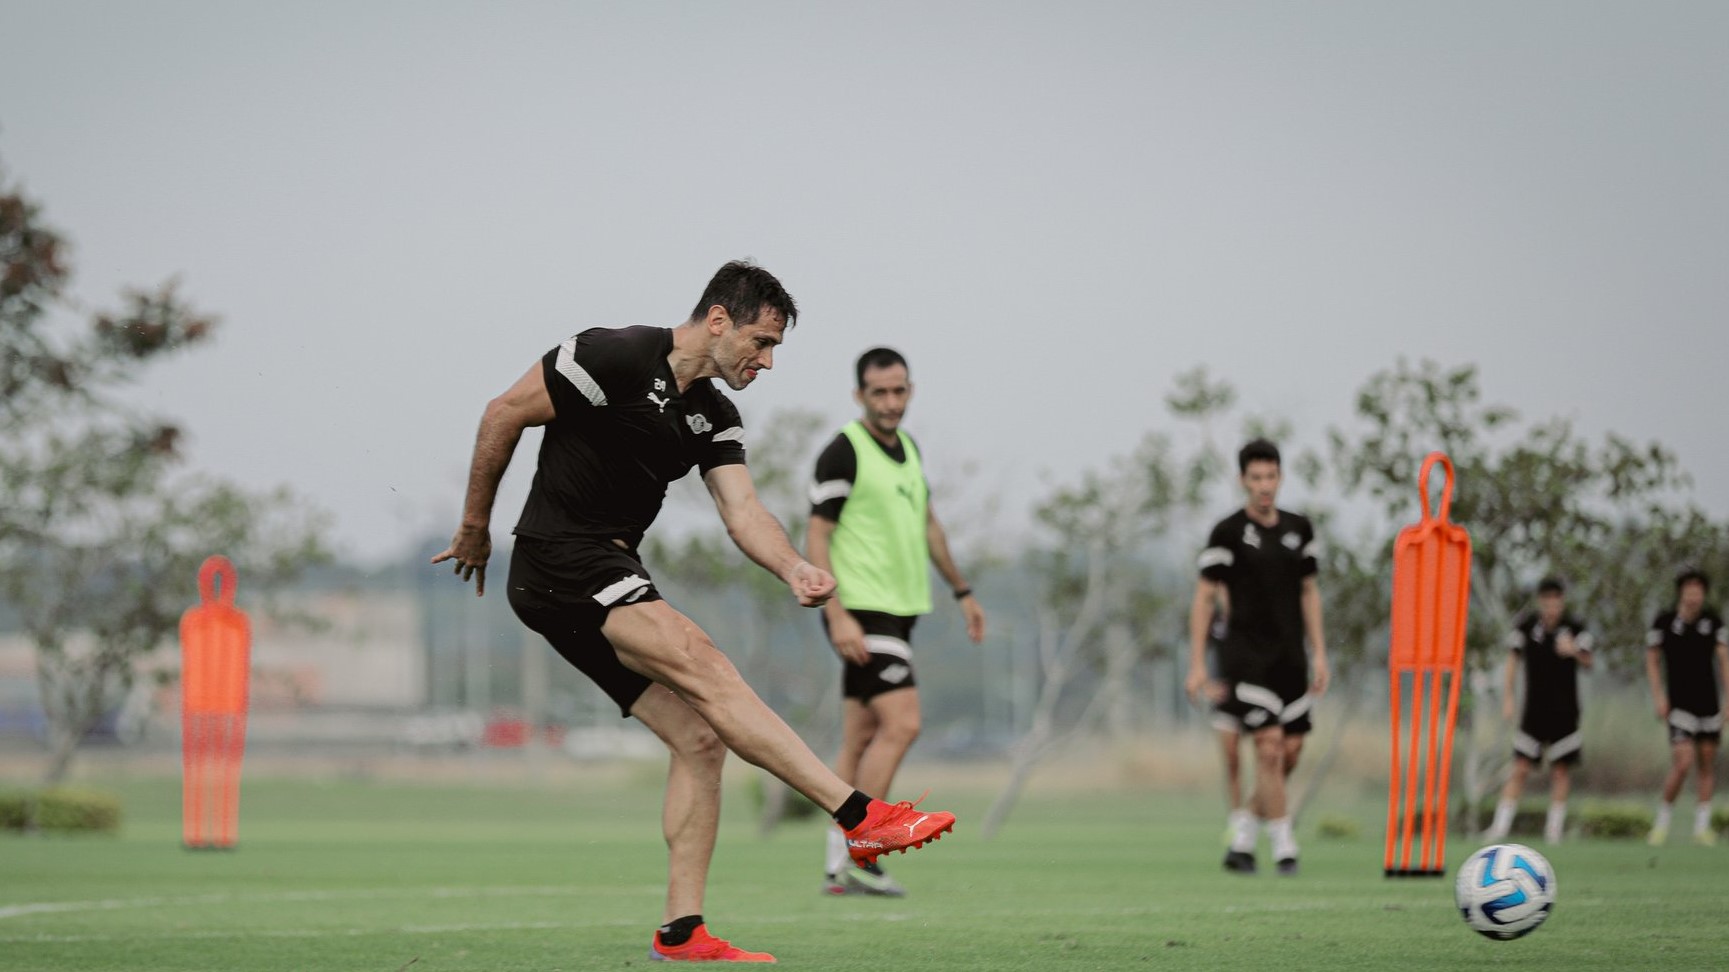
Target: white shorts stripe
1527, 745
1264, 698
1565, 746
1297, 709
575, 374
632, 584
832, 489
888, 645
1689, 723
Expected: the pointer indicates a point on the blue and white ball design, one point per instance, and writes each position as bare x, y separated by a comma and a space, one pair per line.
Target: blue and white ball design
1505, 890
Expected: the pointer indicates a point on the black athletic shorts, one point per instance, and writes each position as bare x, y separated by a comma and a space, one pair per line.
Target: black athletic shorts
889, 638
1686, 726
1556, 739
563, 590
1251, 708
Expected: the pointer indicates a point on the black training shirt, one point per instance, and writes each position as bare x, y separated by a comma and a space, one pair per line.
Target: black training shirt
622, 432
1688, 649
1263, 568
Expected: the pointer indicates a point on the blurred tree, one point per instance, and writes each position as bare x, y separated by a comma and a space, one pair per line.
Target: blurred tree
1611, 518
100, 540
1100, 608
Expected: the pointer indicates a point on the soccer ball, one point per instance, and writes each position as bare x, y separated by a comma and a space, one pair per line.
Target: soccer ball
1505, 890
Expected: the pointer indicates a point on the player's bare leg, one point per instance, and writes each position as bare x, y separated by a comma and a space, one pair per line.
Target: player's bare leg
1293, 751
875, 738
1682, 755
664, 645
1242, 830
858, 724
690, 815
1270, 796
1560, 786
1706, 767
1509, 804
897, 725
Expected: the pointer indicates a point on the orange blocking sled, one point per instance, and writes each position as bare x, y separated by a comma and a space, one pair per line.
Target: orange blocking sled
1431, 591
215, 649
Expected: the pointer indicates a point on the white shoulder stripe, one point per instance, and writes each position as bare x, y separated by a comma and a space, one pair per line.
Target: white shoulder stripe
734, 434
831, 490
575, 374
1216, 557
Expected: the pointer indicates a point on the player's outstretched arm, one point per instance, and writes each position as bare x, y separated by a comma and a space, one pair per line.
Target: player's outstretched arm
526, 403
756, 532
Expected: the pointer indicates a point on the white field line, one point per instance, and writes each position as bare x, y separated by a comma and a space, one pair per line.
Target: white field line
355, 894
576, 924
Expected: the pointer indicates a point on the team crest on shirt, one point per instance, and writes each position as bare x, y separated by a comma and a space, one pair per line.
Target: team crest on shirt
1251, 536
1680, 627
1704, 626
1291, 541
698, 423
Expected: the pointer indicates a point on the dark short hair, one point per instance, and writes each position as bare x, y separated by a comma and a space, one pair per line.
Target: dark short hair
879, 358
1260, 450
745, 290
1551, 585
1692, 575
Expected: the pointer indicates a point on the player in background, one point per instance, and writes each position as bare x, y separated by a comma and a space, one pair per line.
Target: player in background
1680, 649
1259, 569
873, 526
626, 412
1550, 646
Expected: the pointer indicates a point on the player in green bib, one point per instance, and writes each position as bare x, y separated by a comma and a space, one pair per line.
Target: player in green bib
872, 526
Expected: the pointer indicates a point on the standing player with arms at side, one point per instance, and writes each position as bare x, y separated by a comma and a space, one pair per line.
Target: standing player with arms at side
873, 526
627, 411
1681, 647
1552, 646
1259, 569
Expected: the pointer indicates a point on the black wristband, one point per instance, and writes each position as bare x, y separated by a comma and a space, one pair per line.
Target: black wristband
962, 593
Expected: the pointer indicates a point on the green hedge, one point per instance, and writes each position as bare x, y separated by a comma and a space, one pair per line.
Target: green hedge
59, 810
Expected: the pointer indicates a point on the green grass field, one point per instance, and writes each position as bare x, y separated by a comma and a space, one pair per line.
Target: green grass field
352, 876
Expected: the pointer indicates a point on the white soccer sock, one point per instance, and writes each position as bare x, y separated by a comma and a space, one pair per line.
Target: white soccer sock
1503, 822
837, 855
1245, 830
1284, 842
1665, 810
1555, 826
1702, 819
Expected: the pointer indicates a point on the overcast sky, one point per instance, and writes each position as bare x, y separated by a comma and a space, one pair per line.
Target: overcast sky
1051, 209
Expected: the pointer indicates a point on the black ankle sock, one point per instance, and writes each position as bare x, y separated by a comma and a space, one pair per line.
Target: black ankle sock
679, 930
852, 812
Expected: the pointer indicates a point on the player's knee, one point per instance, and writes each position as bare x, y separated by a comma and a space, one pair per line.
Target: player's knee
901, 732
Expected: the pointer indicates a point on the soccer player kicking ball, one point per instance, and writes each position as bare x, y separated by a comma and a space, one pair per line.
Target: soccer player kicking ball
1681, 647
626, 411
1553, 645
872, 524
1259, 568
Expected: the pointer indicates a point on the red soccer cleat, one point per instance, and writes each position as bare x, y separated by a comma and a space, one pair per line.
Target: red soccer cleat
895, 826
703, 947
